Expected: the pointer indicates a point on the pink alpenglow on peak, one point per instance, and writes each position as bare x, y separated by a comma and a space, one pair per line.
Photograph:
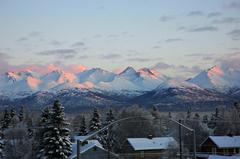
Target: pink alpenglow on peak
216, 70
76, 68
33, 83
147, 72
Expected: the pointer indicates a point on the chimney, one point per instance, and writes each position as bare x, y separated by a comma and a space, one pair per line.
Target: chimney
150, 137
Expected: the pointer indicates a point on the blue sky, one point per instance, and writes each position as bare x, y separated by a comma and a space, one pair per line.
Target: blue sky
112, 34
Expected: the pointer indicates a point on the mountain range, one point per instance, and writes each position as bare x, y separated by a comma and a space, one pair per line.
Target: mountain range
86, 88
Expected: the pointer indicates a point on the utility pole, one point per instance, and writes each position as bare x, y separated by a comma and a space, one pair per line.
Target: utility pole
78, 149
194, 136
180, 139
194, 144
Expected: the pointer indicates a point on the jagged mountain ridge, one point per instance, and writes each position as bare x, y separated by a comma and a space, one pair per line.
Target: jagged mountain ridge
29, 82
98, 87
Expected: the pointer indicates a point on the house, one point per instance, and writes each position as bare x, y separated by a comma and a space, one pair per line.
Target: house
223, 157
151, 148
221, 145
90, 149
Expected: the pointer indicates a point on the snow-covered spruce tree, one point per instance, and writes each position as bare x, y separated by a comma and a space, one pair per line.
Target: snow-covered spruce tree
6, 120
12, 113
95, 123
106, 137
110, 117
1, 144
39, 145
21, 114
56, 139
83, 128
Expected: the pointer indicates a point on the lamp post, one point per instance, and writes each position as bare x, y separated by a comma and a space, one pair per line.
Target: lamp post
194, 136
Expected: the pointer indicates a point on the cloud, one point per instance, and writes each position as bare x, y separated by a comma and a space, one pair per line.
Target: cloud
214, 14
110, 56
199, 54
195, 13
233, 5
83, 57
4, 64
204, 28
78, 44
55, 43
97, 36
173, 40
182, 28
235, 34
156, 47
227, 20
60, 53
176, 71
138, 59
22, 39
113, 36
34, 34
234, 48
162, 66
165, 18
230, 60
202, 56
68, 56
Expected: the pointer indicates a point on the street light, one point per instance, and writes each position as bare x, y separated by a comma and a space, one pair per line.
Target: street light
194, 136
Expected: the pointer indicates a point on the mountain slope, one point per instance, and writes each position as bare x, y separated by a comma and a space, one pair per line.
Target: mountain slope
218, 78
181, 95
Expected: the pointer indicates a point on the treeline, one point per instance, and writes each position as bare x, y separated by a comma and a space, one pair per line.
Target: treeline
29, 135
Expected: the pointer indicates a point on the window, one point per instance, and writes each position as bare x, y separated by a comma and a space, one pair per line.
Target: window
214, 150
142, 154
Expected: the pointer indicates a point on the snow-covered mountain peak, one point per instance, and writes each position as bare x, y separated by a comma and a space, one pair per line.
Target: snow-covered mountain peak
147, 72
176, 83
218, 78
128, 71
216, 70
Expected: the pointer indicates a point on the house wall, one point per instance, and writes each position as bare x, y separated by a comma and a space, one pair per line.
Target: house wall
129, 153
208, 147
97, 153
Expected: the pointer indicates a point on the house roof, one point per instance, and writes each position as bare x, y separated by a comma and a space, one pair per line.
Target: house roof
90, 144
81, 138
157, 143
223, 157
226, 141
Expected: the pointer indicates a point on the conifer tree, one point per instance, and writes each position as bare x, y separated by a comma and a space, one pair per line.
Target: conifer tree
205, 119
83, 128
107, 135
45, 116
12, 113
6, 120
216, 112
21, 114
189, 113
169, 115
1, 144
56, 139
95, 123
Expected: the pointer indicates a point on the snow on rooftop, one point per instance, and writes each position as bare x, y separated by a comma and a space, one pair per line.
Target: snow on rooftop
151, 144
90, 144
81, 138
223, 157
226, 141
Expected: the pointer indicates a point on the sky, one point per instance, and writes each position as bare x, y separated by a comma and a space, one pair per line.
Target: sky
187, 35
